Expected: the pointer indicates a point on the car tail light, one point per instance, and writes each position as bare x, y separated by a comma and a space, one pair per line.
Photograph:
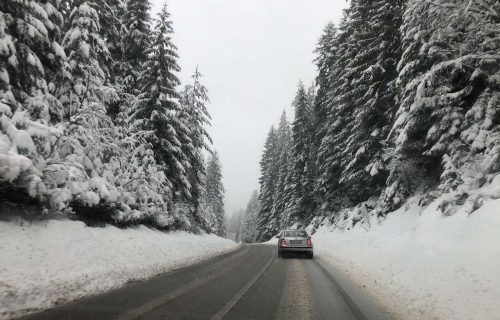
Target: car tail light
309, 242
283, 243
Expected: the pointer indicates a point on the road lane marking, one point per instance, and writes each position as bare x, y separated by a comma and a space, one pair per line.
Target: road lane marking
194, 284
296, 299
222, 312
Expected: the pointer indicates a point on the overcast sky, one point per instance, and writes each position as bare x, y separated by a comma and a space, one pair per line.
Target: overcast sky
252, 54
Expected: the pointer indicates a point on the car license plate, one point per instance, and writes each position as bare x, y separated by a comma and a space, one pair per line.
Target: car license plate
295, 241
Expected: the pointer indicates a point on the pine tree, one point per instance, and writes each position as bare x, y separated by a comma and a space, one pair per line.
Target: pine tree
379, 128
327, 52
89, 139
30, 57
329, 157
360, 103
137, 40
214, 195
193, 100
86, 53
311, 167
113, 31
282, 194
112, 28
249, 222
64, 72
234, 225
372, 101
449, 110
267, 181
301, 141
158, 114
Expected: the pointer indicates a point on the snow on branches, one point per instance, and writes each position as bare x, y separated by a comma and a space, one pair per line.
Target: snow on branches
90, 119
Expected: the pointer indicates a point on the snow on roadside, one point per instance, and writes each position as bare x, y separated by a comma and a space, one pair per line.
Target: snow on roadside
422, 265
273, 241
53, 261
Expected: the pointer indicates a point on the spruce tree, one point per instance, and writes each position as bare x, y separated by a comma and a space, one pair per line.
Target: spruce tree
359, 103
282, 194
449, 110
234, 225
89, 136
327, 52
113, 32
329, 157
193, 100
372, 96
137, 41
86, 53
30, 58
157, 113
249, 223
301, 142
214, 195
267, 181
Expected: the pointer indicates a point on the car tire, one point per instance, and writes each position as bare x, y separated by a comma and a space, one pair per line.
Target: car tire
310, 255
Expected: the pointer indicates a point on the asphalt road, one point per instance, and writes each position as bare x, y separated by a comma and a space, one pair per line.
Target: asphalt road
248, 283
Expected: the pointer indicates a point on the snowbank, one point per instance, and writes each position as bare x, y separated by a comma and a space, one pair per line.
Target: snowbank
273, 241
422, 265
59, 260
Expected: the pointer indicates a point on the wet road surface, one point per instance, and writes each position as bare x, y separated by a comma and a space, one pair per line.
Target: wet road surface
248, 283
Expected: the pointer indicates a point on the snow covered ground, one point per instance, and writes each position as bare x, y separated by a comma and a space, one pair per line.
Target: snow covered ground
50, 262
422, 265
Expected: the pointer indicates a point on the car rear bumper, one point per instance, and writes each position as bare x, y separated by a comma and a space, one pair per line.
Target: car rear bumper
295, 249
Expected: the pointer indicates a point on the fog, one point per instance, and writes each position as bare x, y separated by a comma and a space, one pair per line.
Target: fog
252, 54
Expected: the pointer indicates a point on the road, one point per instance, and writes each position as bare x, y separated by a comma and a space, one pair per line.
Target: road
248, 283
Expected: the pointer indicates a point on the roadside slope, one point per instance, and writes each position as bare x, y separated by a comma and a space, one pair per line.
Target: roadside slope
49, 262
421, 264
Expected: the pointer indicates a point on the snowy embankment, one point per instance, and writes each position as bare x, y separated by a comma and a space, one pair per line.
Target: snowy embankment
49, 262
423, 265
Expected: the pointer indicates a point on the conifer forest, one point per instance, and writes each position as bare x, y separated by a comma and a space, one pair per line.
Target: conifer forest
406, 101
95, 124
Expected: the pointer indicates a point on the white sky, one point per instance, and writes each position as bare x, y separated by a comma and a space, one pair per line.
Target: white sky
252, 54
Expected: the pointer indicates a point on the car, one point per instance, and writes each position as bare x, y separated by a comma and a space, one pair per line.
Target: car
295, 241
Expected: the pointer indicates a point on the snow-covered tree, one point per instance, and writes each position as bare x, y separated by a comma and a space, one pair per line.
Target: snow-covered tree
267, 181
194, 98
406, 102
157, 112
250, 221
334, 134
449, 91
326, 51
372, 102
86, 53
30, 56
137, 39
276, 183
88, 137
301, 197
213, 200
234, 225
282, 201
90, 124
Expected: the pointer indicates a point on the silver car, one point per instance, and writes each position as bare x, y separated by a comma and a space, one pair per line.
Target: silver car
295, 241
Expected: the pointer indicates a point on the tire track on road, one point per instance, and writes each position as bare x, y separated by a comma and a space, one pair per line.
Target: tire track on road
296, 301
220, 315
192, 285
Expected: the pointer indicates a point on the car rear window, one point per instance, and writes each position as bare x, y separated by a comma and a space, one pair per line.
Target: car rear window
296, 233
